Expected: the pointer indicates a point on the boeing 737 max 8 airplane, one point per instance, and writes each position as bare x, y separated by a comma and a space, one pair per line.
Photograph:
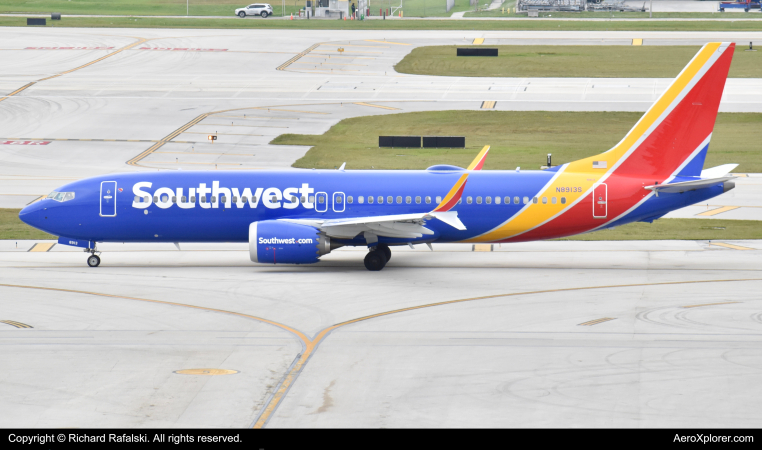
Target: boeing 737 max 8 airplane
296, 216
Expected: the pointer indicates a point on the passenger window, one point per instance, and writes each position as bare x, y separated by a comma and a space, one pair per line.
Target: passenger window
381, 199
553, 200
193, 199
399, 200
534, 200
294, 199
418, 199
508, 200
138, 199
184, 199
497, 200
389, 199
254, 199
243, 199
203, 199
321, 199
223, 199
370, 199
478, 200
460, 200
526, 200
304, 199
360, 199
563, 200
489, 200
516, 200
312, 199
339, 199
469, 200
428, 199
439, 200
408, 199
155, 199
349, 199
174, 199
545, 200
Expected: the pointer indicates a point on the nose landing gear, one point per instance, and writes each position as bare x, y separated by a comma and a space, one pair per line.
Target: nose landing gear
93, 260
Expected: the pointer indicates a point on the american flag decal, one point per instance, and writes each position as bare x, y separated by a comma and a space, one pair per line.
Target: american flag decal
599, 164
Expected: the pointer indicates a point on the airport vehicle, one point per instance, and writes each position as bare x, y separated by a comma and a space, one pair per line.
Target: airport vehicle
296, 216
255, 9
746, 5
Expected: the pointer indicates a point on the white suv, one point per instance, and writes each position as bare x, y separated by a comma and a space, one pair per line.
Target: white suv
256, 9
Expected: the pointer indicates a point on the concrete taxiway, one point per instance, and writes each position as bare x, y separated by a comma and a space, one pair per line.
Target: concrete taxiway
82, 102
625, 334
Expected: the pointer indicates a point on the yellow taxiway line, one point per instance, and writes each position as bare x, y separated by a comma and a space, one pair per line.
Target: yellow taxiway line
310, 345
734, 247
714, 212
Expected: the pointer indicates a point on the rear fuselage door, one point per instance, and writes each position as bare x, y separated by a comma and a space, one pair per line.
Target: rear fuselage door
338, 201
600, 201
321, 202
108, 198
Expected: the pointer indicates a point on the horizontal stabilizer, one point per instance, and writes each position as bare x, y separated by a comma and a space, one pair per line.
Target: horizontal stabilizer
719, 171
685, 186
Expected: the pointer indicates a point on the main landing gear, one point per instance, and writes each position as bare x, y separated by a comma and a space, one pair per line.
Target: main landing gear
93, 260
377, 257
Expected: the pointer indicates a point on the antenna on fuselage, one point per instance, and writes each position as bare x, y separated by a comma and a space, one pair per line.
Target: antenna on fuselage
342, 167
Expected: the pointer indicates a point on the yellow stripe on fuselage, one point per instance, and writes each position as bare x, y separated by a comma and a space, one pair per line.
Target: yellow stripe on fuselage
580, 174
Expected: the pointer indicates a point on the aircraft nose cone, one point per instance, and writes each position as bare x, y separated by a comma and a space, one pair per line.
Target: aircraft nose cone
32, 215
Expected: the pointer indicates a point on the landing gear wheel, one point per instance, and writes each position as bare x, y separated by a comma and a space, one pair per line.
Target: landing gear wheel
374, 261
264, 14
722, 9
241, 14
93, 260
383, 248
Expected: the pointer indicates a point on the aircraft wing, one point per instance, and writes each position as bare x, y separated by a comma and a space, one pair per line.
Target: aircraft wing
410, 226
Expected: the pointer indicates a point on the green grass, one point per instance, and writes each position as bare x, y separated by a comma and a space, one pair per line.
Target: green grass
140, 7
13, 228
516, 138
678, 229
410, 8
621, 15
484, 25
570, 61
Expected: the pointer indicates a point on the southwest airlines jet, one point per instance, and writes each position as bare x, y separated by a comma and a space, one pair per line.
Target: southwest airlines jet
296, 216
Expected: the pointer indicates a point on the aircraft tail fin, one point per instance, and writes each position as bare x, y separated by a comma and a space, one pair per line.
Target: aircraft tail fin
672, 137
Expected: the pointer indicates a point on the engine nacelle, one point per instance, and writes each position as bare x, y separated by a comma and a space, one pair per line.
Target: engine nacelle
276, 241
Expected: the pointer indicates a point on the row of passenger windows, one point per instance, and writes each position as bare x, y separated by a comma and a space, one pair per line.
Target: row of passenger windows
360, 199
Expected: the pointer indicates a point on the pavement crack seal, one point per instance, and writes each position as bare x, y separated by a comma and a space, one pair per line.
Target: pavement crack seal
309, 346
126, 47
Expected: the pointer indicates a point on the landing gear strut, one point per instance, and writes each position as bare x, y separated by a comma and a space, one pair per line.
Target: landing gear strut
377, 258
93, 260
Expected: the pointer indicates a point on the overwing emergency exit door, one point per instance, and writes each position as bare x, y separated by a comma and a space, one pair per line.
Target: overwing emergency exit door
108, 198
600, 201
321, 202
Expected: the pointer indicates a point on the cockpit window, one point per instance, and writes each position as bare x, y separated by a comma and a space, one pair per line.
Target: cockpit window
61, 196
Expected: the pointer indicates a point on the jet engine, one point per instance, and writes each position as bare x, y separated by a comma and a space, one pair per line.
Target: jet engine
281, 242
